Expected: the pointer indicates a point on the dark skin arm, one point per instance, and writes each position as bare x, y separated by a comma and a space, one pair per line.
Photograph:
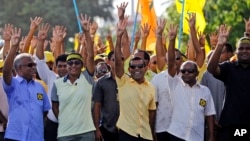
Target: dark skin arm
55, 108
97, 117
210, 124
213, 66
3, 119
152, 115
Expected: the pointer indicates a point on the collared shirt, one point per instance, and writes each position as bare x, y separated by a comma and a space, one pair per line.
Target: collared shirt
190, 106
48, 77
237, 82
217, 89
105, 92
135, 102
27, 103
75, 116
4, 107
165, 103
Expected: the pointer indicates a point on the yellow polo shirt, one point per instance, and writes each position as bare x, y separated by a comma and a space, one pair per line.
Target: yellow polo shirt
135, 102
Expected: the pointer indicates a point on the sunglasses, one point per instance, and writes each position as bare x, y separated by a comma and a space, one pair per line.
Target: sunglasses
177, 58
30, 65
71, 63
102, 71
187, 70
137, 66
154, 62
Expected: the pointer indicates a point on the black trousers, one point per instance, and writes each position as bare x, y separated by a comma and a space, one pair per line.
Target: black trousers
50, 130
174, 138
163, 136
109, 136
123, 136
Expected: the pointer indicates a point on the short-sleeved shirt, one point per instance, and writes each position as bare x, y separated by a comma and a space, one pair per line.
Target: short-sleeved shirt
75, 116
190, 106
48, 77
135, 102
105, 92
27, 103
237, 82
164, 99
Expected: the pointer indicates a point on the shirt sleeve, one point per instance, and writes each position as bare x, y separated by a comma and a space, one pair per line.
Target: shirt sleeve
152, 105
9, 88
121, 81
172, 82
54, 96
209, 108
154, 83
89, 77
46, 103
98, 92
43, 70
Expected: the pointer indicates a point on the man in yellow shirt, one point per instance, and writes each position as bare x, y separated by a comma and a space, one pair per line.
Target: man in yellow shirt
136, 96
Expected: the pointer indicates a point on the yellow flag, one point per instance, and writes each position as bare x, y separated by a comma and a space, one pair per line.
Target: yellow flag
200, 21
190, 5
148, 16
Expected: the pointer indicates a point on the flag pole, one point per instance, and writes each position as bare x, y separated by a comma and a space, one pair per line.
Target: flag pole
77, 16
135, 21
181, 25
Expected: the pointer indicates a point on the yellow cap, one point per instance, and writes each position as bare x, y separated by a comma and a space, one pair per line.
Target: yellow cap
49, 56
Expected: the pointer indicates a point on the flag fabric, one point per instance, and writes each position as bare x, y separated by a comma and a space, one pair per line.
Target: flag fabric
148, 15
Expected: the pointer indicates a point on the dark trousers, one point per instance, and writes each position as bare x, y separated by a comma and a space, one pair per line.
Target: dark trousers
109, 136
50, 131
174, 138
10, 140
123, 136
1, 136
162, 136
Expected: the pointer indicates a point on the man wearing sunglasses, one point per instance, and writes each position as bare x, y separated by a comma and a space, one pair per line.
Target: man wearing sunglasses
135, 94
235, 76
28, 101
192, 102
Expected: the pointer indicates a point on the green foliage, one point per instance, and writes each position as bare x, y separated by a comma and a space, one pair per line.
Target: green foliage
228, 12
54, 12
218, 12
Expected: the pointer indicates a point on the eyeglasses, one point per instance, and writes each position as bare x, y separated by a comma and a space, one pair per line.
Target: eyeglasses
102, 71
30, 65
187, 70
177, 58
70, 63
154, 62
137, 66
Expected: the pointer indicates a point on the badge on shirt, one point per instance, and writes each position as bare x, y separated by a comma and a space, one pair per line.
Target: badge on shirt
203, 102
39, 96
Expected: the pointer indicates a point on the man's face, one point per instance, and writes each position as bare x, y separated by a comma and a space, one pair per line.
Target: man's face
243, 53
137, 70
141, 55
153, 63
189, 73
62, 68
74, 67
27, 68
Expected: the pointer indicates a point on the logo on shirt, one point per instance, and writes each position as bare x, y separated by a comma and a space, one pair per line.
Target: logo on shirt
203, 102
39, 96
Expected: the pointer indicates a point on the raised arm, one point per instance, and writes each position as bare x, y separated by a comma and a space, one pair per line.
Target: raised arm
42, 35
119, 66
8, 64
199, 55
247, 28
58, 38
172, 32
110, 41
136, 39
145, 29
90, 66
34, 23
6, 36
160, 51
214, 59
213, 40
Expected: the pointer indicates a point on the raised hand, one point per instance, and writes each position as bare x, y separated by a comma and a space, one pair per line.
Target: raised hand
137, 36
160, 26
121, 10
85, 22
34, 23
213, 39
247, 25
33, 42
223, 34
121, 26
191, 20
172, 31
59, 32
43, 31
7, 32
202, 39
15, 36
145, 29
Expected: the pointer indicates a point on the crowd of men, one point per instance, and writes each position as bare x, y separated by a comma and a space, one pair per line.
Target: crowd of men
90, 95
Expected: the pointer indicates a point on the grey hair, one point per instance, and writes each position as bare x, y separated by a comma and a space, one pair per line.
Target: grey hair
19, 57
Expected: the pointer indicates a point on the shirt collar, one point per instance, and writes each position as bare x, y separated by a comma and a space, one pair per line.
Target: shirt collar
144, 83
185, 84
21, 79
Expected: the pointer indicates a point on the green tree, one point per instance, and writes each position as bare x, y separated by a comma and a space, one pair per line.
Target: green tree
54, 12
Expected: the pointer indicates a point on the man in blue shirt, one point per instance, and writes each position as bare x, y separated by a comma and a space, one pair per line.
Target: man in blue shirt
28, 101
